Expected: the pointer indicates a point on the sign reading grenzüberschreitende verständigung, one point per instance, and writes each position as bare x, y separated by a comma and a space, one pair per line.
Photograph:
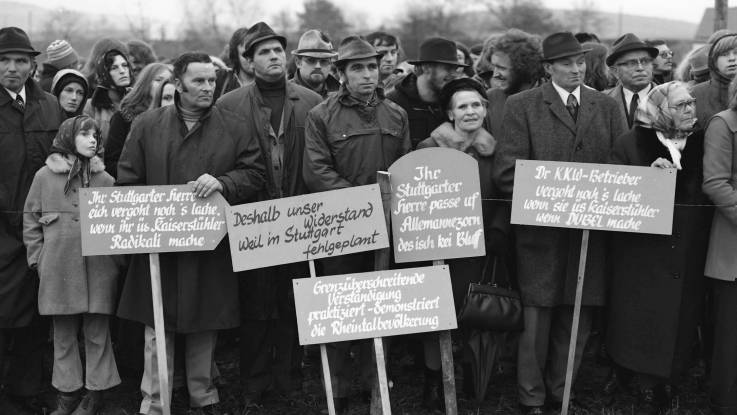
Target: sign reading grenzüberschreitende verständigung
149, 219
594, 196
374, 304
302, 228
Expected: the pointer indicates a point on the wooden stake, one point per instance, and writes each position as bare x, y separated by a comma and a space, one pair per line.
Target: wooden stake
446, 358
576, 318
325, 366
161, 358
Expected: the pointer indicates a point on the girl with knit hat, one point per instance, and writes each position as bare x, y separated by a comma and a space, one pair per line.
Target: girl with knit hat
59, 55
78, 292
114, 79
70, 88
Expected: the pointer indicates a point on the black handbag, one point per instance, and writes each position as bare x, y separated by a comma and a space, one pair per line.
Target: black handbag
490, 307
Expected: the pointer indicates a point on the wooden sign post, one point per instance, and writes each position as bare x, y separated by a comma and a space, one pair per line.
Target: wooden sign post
436, 215
151, 219
591, 197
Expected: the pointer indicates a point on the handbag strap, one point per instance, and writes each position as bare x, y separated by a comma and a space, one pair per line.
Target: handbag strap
493, 261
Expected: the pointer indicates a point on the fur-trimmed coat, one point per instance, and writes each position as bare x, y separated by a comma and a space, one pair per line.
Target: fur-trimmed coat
69, 282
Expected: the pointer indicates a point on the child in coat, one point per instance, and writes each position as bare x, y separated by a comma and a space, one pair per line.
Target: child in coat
78, 292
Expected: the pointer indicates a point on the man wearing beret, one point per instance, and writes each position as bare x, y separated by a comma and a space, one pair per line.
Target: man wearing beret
631, 62
314, 60
559, 121
29, 119
348, 138
274, 111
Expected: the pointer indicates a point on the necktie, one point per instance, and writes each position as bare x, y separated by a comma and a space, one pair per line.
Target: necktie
572, 106
633, 109
19, 102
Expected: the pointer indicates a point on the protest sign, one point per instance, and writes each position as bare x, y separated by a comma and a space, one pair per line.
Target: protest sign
374, 304
308, 227
594, 196
149, 219
436, 206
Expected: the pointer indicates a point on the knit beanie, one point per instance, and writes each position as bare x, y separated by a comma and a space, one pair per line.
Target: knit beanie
61, 55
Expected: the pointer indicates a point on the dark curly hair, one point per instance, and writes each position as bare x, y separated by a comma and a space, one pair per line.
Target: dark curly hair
525, 54
239, 36
597, 72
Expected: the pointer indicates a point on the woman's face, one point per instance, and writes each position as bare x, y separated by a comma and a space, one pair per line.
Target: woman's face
119, 72
71, 97
683, 108
467, 110
461, 58
85, 143
167, 95
158, 79
727, 63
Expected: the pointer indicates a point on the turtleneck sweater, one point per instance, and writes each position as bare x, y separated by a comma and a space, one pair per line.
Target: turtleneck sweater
273, 94
190, 116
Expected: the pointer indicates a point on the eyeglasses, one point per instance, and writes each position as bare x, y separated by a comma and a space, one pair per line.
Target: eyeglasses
681, 106
312, 61
666, 53
634, 63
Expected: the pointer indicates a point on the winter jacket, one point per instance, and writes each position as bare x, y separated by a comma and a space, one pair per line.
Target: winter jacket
424, 117
331, 84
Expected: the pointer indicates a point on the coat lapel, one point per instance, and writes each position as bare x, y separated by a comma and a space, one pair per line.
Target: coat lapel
556, 106
586, 112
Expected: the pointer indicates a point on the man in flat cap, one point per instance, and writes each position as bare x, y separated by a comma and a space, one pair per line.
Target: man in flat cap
559, 121
274, 111
314, 59
348, 138
29, 119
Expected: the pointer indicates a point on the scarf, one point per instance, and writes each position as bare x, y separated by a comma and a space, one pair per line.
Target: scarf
65, 144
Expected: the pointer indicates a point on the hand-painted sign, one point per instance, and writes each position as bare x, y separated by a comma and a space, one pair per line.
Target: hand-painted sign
436, 206
374, 304
149, 219
594, 196
306, 227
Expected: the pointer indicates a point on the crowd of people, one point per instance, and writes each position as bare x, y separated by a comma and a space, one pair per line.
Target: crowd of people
271, 124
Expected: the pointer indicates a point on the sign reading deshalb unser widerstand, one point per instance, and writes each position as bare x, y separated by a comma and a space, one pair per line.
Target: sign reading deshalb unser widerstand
594, 196
149, 219
374, 304
301, 228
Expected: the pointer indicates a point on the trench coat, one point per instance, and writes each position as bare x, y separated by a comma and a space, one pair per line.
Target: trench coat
537, 126
25, 139
69, 282
424, 117
657, 281
200, 289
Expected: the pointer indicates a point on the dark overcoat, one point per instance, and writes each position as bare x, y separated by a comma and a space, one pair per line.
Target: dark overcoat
424, 117
618, 94
657, 280
537, 126
25, 139
200, 289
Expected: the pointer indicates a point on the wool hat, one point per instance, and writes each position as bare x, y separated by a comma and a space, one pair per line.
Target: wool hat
313, 43
259, 33
61, 55
561, 45
628, 42
438, 50
13, 39
72, 75
460, 84
700, 61
355, 47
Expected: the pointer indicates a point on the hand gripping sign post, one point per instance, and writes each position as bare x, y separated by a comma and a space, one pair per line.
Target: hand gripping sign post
151, 219
592, 197
436, 215
305, 228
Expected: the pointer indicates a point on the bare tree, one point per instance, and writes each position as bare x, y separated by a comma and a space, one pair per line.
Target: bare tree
139, 23
528, 15
63, 24
325, 16
585, 17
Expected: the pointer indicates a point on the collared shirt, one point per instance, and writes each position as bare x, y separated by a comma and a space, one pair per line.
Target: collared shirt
629, 94
564, 94
22, 94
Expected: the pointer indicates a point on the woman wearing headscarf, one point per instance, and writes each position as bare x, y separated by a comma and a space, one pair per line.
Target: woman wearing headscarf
71, 90
657, 280
114, 79
80, 293
712, 96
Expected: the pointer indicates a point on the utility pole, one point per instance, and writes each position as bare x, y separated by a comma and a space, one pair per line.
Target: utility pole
720, 14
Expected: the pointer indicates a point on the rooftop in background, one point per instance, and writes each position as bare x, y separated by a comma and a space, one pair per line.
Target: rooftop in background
706, 27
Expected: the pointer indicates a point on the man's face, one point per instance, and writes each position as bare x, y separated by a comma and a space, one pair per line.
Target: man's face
197, 85
15, 68
243, 62
389, 56
269, 60
568, 72
440, 74
313, 70
136, 66
663, 63
361, 77
634, 70
502, 66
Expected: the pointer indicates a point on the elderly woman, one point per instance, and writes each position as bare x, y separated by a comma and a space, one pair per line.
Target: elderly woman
464, 100
720, 182
114, 79
657, 280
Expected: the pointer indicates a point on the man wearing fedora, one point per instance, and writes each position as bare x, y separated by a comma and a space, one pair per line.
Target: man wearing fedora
631, 62
349, 137
418, 92
29, 118
560, 121
313, 58
274, 111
